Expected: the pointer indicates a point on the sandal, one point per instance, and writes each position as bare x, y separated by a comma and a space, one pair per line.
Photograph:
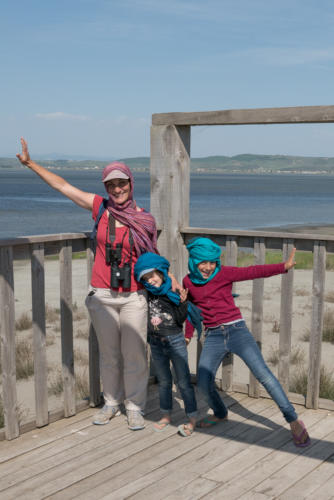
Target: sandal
302, 439
209, 421
163, 425
185, 430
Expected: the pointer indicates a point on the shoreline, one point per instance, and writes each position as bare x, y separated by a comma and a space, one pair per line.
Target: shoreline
325, 229
193, 170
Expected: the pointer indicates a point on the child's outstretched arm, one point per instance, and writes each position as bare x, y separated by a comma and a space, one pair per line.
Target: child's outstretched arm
291, 260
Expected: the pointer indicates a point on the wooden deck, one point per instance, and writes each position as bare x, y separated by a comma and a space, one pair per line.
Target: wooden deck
251, 457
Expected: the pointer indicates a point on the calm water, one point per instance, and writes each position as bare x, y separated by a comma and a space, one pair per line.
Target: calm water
28, 206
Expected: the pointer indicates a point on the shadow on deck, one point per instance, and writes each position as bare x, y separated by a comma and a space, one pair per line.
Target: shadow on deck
250, 456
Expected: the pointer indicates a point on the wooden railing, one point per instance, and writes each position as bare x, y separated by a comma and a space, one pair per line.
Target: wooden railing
37, 247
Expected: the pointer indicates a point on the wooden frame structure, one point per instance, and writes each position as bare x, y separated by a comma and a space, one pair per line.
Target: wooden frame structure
170, 186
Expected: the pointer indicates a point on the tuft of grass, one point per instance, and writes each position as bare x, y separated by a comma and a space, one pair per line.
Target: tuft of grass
81, 357
79, 315
297, 356
2, 417
24, 322
82, 385
50, 340
24, 359
298, 383
56, 385
273, 357
329, 297
304, 260
301, 292
305, 337
328, 327
82, 334
51, 313
276, 327
245, 258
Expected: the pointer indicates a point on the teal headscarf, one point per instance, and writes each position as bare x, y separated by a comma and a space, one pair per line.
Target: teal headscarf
202, 249
148, 262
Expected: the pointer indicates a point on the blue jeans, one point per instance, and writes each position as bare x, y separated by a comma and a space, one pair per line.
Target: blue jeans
237, 339
173, 348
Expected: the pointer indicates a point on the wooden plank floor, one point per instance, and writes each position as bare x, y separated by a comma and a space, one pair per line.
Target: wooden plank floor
250, 457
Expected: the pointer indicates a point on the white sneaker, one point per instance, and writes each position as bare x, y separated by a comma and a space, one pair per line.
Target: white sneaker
106, 414
136, 420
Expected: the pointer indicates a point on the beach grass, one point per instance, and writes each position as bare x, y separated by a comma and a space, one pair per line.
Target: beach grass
2, 418
298, 382
24, 359
24, 322
304, 260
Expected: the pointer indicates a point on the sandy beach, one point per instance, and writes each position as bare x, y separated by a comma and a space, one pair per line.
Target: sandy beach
300, 323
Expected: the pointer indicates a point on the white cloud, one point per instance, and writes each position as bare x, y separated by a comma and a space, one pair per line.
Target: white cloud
59, 115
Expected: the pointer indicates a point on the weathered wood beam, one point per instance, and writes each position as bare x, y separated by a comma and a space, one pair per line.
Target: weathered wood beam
7, 338
285, 320
66, 317
231, 257
259, 116
39, 333
257, 309
318, 289
170, 187
93, 347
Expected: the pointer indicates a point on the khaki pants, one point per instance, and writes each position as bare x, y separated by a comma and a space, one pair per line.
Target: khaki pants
120, 323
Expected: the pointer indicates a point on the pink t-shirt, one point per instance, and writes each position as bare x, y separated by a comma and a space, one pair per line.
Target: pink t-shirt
215, 299
101, 271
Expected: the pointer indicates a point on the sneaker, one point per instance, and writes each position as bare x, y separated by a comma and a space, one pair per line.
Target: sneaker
106, 414
135, 420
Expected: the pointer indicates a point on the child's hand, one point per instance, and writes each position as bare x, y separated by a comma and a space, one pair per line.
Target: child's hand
183, 294
291, 260
187, 341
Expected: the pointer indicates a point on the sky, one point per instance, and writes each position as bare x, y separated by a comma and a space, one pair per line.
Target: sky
82, 78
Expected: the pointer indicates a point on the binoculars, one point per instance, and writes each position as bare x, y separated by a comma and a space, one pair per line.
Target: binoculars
118, 274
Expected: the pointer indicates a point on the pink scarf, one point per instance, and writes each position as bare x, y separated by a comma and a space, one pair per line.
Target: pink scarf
142, 224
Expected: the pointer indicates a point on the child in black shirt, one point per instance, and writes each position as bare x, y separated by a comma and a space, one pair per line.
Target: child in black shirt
167, 312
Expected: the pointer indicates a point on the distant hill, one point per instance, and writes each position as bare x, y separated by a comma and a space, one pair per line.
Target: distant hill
245, 163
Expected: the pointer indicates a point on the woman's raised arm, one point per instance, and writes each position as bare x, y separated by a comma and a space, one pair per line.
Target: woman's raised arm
81, 198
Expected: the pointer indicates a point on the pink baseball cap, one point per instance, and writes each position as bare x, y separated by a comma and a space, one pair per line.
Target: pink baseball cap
115, 174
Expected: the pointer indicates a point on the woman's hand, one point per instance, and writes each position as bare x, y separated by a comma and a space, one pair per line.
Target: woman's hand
24, 157
176, 285
291, 260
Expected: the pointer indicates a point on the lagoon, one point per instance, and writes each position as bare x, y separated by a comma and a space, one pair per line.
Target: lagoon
231, 201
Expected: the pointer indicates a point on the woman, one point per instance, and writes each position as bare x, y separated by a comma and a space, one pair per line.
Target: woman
116, 301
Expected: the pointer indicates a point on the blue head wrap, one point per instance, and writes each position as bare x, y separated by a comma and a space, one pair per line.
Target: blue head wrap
202, 249
148, 262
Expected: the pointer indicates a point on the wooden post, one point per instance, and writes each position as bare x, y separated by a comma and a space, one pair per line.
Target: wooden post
257, 310
65, 261
285, 320
170, 185
319, 273
94, 362
231, 257
7, 330
39, 333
